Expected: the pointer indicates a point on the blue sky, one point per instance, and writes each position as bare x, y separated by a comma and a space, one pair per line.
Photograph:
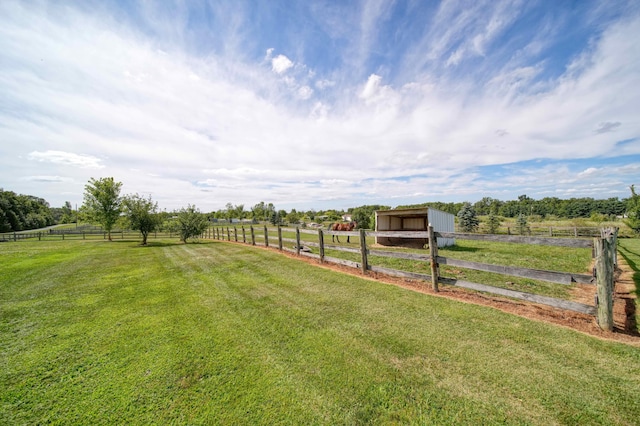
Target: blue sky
320, 104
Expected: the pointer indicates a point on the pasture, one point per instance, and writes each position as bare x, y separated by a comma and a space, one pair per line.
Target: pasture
93, 332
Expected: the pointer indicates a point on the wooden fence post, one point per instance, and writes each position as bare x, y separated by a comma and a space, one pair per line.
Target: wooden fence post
266, 236
297, 241
253, 236
363, 250
244, 235
433, 256
604, 270
279, 237
321, 244
235, 234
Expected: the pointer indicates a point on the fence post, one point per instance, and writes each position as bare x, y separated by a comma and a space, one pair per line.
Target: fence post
15, 237
235, 233
604, 270
253, 236
279, 237
228, 234
244, 235
321, 244
363, 250
39, 236
433, 257
297, 241
266, 236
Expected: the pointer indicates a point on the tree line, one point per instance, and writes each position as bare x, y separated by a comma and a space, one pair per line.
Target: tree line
20, 212
103, 204
545, 208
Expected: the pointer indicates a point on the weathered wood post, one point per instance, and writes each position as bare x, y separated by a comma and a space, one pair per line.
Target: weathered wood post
297, 241
235, 234
363, 250
279, 237
39, 236
15, 237
321, 244
433, 257
266, 236
253, 236
604, 271
244, 235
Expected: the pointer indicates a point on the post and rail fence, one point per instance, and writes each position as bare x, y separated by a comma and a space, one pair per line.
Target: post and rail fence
603, 250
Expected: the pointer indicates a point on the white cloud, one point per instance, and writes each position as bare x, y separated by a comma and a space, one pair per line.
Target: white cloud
372, 87
305, 92
280, 64
66, 158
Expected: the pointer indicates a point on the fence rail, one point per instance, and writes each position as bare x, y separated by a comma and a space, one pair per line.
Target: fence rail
601, 278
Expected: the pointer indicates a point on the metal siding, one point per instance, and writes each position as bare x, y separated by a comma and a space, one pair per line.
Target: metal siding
442, 222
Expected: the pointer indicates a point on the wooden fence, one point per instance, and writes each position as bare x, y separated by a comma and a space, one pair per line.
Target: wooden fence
603, 248
86, 234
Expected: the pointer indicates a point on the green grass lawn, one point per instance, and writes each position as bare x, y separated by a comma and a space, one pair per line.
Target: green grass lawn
629, 249
93, 332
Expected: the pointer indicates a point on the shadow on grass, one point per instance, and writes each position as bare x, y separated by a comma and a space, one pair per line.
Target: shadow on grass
630, 304
457, 248
631, 258
152, 244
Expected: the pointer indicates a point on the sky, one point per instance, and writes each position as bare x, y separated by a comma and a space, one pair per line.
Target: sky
320, 104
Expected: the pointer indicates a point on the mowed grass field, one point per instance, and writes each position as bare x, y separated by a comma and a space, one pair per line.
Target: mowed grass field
93, 332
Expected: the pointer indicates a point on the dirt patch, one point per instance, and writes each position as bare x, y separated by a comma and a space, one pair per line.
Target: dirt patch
623, 307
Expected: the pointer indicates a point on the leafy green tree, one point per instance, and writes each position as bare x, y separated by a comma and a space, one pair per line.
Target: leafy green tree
493, 223
67, 213
142, 214
102, 202
191, 223
633, 211
522, 224
467, 218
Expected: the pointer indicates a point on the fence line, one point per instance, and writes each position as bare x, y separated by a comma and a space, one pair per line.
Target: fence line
602, 276
604, 251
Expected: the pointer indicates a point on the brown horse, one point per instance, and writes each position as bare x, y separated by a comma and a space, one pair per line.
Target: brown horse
342, 227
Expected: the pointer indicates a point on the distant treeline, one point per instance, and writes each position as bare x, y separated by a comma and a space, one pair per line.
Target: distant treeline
546, 207
23, 212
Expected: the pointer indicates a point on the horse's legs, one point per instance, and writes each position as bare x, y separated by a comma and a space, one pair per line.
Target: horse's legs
348, 238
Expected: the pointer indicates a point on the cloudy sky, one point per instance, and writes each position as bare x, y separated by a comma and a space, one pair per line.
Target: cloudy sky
320, 104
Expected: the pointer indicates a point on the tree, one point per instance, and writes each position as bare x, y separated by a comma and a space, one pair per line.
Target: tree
142, 214
467, 218
102, 202
67, 213
493, 223
191, 223
633, 211
521, 221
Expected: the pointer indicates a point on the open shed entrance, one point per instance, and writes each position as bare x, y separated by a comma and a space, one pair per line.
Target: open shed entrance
417, 219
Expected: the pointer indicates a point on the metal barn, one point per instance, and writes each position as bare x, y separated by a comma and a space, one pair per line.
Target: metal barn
414, 220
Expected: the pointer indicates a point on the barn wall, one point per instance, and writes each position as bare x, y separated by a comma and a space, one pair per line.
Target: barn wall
442, 222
